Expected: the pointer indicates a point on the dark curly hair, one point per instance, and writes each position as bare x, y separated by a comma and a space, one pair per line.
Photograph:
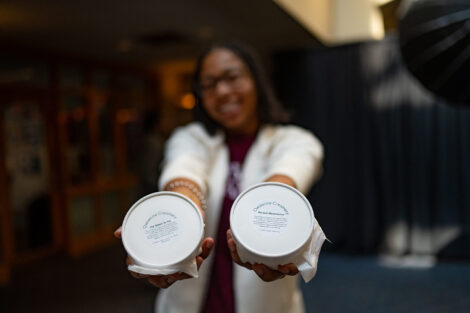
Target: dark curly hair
270, 110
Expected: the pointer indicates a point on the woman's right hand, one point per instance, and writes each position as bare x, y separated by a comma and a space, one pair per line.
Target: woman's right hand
165, 281
263, 271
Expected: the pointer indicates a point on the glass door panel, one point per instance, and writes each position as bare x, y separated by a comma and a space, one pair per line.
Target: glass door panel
28, 174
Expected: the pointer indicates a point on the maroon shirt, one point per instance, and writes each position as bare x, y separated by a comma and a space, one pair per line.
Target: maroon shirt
220, 298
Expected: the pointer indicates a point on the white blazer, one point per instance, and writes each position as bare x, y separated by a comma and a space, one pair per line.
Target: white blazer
192, 153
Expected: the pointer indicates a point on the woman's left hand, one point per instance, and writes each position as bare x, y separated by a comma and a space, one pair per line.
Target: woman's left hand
264, 272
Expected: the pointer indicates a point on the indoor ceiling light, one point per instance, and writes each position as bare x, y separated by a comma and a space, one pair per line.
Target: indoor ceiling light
338, 21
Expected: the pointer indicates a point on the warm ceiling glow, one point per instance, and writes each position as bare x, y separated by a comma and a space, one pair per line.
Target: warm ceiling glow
187, 101
380, 2
337, 22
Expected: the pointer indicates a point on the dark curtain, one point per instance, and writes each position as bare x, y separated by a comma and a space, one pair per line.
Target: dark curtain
397, 159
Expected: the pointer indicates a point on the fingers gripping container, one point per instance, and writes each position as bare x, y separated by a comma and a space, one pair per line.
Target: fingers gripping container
162, 234
274, 224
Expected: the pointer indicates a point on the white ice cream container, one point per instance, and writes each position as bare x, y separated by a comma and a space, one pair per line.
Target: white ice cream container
162, 234
272, 224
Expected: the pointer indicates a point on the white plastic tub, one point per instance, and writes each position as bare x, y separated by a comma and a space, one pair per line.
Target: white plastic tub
162, 234
273, 224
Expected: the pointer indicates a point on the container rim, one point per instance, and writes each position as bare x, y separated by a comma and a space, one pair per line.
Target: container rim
289, 252
138, 260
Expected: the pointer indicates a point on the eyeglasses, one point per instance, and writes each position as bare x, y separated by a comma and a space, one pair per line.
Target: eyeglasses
231, 78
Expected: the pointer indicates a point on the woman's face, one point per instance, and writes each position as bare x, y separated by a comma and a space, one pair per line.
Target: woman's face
228, 92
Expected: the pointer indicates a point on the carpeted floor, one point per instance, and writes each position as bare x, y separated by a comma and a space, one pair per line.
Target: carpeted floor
347, 284
99, 283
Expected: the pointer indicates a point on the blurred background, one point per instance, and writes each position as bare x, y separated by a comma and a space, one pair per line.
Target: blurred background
90, 90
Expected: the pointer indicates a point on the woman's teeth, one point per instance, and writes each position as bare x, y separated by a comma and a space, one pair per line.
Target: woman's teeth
227, 108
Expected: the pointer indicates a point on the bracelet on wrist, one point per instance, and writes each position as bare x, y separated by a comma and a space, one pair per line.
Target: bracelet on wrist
195, 190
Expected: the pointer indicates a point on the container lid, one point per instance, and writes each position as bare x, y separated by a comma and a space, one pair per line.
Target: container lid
271, 219
162, 229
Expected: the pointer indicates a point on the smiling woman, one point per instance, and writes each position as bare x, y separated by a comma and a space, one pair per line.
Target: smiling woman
228, 92
236, 142
231, 74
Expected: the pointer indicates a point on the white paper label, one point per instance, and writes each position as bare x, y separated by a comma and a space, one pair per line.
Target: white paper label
270, 218
161, 228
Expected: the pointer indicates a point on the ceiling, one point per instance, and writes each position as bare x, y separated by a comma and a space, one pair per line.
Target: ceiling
145, 32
